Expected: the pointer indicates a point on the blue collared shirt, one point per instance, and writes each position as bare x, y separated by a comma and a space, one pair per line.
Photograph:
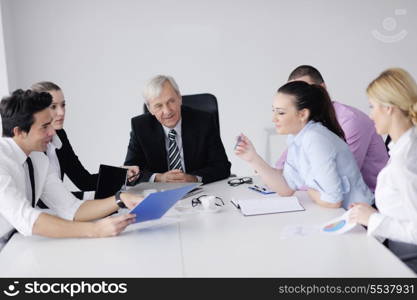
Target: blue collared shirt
320, 160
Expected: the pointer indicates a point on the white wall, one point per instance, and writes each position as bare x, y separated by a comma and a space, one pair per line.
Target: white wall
3, 71
102, 52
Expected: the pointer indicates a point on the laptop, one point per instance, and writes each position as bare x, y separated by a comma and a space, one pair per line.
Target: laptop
110, 180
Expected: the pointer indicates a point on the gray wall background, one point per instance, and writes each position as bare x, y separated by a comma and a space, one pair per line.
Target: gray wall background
102, 52
4, 88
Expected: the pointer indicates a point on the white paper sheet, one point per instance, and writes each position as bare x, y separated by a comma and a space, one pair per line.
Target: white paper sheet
268, 205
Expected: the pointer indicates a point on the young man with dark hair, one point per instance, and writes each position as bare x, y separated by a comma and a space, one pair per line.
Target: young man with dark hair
25, 176
365, 144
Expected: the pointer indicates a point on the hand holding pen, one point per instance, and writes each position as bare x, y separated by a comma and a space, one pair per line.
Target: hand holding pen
245, 149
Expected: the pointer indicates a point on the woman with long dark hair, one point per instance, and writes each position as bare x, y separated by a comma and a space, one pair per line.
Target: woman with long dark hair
318, 156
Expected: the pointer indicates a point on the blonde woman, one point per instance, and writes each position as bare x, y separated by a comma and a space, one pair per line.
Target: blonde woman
393, 100
60, 152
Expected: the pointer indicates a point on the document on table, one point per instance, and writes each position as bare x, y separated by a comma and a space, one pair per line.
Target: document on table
267, 205
338, 225
155, 205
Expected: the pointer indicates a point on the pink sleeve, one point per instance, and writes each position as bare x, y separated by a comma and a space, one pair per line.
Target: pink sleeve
281, 161
358, 136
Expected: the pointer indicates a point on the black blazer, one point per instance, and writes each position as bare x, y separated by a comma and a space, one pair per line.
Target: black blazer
204, 154
72, 167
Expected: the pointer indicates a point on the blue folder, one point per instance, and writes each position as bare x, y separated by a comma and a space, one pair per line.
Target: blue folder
155, 205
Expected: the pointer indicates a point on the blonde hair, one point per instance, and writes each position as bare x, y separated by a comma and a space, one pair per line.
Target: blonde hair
398, 88
45, 86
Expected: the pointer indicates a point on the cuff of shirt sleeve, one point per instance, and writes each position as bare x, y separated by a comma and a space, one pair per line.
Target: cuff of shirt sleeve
374, 223
31, 218
72, 210
199, 178
152, 178
280, 164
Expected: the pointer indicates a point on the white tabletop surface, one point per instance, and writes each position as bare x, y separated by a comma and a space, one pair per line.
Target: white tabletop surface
193, 243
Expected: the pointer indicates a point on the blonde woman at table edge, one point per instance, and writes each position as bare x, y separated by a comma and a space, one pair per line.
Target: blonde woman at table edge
60, 151
318, 157
393, 101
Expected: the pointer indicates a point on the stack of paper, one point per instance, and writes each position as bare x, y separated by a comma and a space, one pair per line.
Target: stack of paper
268, 205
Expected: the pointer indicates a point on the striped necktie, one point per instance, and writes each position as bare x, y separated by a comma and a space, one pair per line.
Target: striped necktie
174, 157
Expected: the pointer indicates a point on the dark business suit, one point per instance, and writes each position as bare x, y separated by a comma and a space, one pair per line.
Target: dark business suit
204, 154
72, 167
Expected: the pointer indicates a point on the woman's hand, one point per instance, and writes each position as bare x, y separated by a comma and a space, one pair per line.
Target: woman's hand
360, 213
133, 172
245, 149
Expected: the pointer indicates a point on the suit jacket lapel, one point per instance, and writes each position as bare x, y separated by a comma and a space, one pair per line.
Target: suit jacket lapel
159, 153
188, 146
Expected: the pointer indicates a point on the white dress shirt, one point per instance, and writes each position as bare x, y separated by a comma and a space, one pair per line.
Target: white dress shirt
51, 153
178, 139
16, 211
396, 193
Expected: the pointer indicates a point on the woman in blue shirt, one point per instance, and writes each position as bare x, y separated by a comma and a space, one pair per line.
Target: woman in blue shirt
318, 156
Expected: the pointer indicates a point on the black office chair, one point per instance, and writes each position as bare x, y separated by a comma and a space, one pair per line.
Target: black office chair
204, 102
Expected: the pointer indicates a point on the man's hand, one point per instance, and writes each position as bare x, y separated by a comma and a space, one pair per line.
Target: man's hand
175, 176
112, 226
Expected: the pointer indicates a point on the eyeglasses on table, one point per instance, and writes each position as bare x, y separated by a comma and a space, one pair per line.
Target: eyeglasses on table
239, 181
197, 201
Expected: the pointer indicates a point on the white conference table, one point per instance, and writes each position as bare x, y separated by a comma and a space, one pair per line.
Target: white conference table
199, 244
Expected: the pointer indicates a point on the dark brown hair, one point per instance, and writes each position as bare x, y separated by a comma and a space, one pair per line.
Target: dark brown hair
316, 99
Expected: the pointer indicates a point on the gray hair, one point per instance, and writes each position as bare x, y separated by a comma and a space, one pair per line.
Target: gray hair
44, 86
153, 87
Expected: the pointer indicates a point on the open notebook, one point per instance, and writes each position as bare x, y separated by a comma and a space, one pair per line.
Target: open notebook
267, 205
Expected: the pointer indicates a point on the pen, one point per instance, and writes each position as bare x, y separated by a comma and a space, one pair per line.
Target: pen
239, 138
235, 204
260, 188
133, 176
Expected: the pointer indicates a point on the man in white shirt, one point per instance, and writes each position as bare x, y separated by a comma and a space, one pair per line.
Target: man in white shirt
25, 176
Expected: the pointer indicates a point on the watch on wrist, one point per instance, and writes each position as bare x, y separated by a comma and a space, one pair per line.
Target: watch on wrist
119, 201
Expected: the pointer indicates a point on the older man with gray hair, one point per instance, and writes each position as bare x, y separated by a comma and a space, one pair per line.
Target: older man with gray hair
174, 143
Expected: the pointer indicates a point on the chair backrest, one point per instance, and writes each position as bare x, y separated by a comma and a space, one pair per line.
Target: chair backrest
204, 102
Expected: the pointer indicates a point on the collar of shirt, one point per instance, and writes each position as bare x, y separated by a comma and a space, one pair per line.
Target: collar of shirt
21, 156
296, 139
56, 142
397, 147
177, 129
